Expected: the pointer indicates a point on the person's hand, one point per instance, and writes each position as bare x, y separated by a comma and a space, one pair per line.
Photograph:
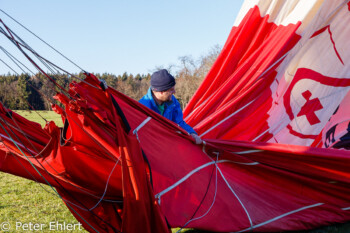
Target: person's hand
196, 138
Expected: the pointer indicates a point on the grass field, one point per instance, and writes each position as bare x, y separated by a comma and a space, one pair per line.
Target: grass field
26, 202
38, 116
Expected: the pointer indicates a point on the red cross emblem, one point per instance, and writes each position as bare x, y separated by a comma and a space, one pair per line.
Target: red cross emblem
312, 104
310, 107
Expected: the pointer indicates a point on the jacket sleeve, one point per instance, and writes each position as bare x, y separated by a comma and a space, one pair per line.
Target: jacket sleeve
178, 118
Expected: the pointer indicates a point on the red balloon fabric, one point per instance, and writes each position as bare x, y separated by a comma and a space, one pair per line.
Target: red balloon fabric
271, 111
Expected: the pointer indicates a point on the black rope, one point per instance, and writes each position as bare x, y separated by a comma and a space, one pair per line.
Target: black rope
16, 61
36, 112
121, 114
51, 68
9, 114
61, 186
44, 62
42, 40
46, 120
8, 66
149, 166
200, 204
19, 45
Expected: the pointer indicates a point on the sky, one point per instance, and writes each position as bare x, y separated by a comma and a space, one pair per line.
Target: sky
115, 36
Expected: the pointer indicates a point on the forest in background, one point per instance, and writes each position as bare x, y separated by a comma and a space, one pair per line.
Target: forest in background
35, 92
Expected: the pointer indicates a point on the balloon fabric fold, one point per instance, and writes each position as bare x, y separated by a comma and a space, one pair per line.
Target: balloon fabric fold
273, 112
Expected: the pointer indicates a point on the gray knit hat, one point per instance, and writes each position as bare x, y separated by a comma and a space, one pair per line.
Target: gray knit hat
161, 80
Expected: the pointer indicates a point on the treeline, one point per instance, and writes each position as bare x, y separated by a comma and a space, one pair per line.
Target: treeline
27, 92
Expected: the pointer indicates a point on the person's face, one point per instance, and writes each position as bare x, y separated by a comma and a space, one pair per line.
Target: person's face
166, 95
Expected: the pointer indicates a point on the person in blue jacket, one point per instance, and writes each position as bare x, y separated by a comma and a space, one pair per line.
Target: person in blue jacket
160, 98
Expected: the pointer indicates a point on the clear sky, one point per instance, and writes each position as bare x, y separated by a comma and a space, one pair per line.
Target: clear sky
116, 36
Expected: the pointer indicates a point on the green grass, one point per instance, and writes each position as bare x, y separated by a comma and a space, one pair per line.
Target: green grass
24, 201
38, 116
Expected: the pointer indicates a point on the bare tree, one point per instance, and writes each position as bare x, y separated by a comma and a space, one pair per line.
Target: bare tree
191, 74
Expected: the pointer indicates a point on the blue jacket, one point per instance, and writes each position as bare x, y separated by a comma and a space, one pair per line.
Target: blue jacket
172, 110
